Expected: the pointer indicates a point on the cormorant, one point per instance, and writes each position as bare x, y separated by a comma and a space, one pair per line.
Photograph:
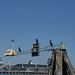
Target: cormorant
19, 49
51, 43
36, 41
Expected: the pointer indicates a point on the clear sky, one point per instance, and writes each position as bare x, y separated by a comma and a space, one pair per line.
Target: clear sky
26, 20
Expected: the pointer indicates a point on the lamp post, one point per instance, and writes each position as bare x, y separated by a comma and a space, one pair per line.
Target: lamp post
13, 43
9, 65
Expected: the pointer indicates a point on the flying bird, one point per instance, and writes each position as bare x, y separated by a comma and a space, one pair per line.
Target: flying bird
19, 49
51, 43
36, 41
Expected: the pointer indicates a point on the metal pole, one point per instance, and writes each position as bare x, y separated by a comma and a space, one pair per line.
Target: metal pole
13, 43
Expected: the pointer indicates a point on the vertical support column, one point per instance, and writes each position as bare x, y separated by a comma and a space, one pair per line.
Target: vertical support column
61, 62
57, 62
50, 70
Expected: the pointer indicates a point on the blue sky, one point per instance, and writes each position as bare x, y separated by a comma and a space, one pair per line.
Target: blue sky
26, 20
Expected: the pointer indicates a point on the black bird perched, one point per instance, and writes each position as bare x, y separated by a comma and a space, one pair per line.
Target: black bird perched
36, 41
19, 49
51, 43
